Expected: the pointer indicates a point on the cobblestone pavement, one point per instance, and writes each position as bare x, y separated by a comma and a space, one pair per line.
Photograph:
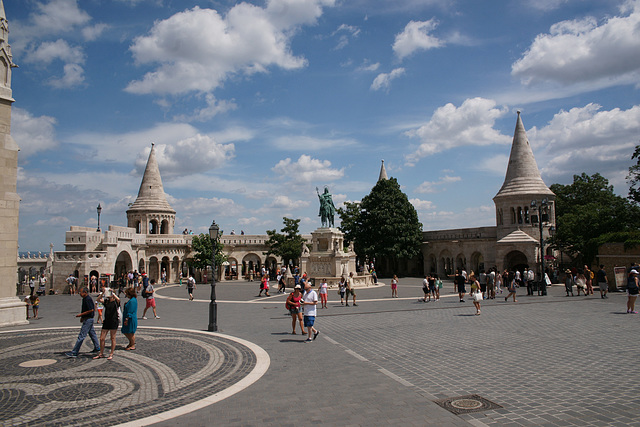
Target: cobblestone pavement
541, 361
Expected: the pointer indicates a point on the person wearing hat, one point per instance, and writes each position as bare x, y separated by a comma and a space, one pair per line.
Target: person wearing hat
293, 305
32, 285
568, 281
632, 291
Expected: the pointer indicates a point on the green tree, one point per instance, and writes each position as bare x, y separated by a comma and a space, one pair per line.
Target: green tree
586, 210
634, 177
350, 222
388, 226
202, 246
288, 243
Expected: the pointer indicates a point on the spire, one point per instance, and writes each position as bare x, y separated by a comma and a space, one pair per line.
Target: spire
523, 176
2, 14
383, 171
151, 195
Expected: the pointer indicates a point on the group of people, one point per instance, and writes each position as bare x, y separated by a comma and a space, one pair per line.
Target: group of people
303, 310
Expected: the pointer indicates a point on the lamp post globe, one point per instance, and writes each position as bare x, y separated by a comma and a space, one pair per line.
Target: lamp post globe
214, 229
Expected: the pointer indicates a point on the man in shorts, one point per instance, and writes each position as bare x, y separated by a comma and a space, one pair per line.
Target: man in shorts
151, 301
350, 291
603, 283
460, 280
309, 302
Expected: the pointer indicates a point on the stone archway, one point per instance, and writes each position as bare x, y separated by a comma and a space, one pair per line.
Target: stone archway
153, 269
166, 267
477, 262
515, 260
123, 264
461, 262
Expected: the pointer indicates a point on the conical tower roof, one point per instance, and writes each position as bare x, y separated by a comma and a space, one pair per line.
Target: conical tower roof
523, 175
151, 195
383, 173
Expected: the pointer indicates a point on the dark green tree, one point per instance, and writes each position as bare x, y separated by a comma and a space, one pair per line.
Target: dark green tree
288, 243
387, 226
350, 223
634, 177
586, 210
202, 246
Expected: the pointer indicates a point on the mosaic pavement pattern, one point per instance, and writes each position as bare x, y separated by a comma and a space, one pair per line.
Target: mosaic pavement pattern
170, 369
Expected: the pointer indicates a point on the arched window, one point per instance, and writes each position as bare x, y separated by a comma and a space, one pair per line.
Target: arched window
520, 215
513, 216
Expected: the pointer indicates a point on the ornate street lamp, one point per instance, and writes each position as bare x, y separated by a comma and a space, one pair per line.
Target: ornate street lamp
99, 209
542, 217
213, 306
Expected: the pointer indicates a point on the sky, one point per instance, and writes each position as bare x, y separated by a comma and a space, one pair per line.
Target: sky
253, 105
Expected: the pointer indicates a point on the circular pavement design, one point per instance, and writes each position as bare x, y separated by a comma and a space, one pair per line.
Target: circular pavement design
171, 372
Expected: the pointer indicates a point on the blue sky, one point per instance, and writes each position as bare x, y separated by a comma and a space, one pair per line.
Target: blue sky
252, 105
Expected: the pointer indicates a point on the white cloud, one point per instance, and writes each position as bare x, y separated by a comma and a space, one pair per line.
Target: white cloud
32, 134
207, 206
307, 170
58, 16
383, 80
435, 186
422, 205
450, 126
598, 141
192, 155
92, 33
284, 203
343, 32
368, 66
73, 76
308, 143
196, 50
213, 108
545, 5
583, 51
48, 52
56, 220
415, 36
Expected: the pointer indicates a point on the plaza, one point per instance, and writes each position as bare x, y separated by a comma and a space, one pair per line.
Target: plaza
551, 360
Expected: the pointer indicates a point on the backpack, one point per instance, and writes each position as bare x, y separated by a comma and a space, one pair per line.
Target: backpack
286, 303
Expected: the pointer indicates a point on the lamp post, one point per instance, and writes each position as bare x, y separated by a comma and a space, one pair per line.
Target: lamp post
543, 216
99, 209
213, 306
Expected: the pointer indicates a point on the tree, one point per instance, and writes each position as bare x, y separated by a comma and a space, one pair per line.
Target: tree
202, 246
388, 226
634, 177
587, 209
350, 222
288, 244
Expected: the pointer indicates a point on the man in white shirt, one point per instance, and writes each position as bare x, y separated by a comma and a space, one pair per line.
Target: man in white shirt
309, 302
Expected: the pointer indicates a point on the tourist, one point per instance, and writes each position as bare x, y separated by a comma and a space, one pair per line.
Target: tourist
93, 283
482, 279
110, 323
264, 285
282, 287
130, 318
35, 304
438, 286
603, 283
309, 302
513, 285
163, 278
350, 290
99, 307
425, 289
374, 275
293, 305
432, 287
632, 291
459, 280
32, 286
475, 293
191, 285
394, 287
568, 282
581, 283
323, 293
342, 288
498, 282
589, 275
86, 317
151, 300
71, 280
491, 284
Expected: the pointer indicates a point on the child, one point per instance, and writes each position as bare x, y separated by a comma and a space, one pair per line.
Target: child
35, 304
100, 307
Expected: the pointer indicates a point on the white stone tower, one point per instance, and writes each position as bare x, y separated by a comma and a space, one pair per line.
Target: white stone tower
12, 310
522, 185
151, 213
383, 173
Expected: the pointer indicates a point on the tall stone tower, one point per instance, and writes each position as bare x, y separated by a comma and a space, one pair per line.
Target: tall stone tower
151, 213
522, 185
12, 310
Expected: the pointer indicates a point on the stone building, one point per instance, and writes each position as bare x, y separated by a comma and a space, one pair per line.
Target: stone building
12, 311
514, 242
147, 244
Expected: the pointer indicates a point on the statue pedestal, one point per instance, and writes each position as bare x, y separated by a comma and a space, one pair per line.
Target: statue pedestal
327, 258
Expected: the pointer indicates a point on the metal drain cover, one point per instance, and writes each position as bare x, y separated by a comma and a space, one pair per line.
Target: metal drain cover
466, 404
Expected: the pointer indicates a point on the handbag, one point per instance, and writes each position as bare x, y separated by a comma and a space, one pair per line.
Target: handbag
477, 296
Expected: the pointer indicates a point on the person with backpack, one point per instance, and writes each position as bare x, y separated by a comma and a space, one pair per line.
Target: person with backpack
293, 305
191, 285
151, 300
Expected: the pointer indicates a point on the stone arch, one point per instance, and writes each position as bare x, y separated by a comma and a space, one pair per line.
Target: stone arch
123, 264
515, 260
141, 267
138, 226
445, 263
153, 226
477, 262
175, 270
251, 262
231, 269
272, 264
461, 262
164, 227
166, 266
153, 268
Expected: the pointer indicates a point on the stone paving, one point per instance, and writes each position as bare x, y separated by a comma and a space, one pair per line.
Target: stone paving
544, 360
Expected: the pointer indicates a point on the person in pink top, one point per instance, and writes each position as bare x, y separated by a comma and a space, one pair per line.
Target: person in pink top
293, 305
323, 293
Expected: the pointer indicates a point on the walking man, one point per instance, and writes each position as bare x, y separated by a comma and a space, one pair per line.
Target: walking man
86, 317
460, 280
309, 302
151, 300
350, 291
603, 283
